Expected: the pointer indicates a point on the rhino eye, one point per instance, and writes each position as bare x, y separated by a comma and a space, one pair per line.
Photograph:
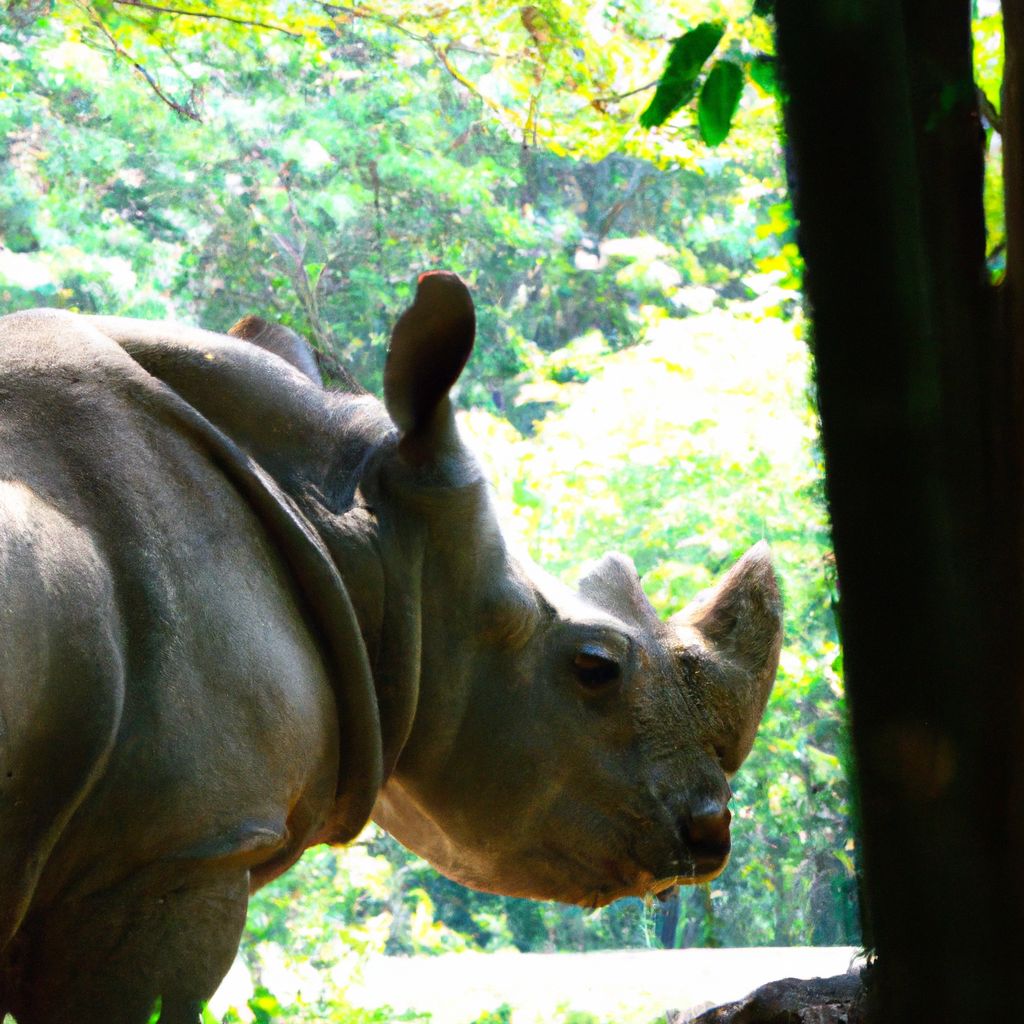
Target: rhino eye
595, 671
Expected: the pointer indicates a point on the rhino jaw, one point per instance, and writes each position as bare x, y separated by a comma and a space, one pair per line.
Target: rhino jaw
590, 759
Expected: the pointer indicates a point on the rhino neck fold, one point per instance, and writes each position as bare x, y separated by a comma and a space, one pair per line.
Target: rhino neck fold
328, 606
380, 560
397, 664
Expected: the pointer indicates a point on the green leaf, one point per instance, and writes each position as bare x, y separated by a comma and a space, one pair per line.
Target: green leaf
265, 1006
313, 272
718, 101
846, 860
762, 72
524, 496
764, 8
688, 55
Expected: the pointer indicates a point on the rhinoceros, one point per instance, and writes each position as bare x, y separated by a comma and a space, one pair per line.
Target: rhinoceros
242, 614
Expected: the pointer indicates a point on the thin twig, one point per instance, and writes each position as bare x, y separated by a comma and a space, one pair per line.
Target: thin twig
208, 15
398, 26
619, 97
441, 53
180, 109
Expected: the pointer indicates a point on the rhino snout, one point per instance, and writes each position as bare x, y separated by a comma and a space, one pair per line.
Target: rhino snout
705, 834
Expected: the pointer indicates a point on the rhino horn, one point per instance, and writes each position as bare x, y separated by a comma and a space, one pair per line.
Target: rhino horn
612, 583
429, 348
739, 624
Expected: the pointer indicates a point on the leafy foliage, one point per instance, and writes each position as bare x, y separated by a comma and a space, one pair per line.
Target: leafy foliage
718, 101
722, 88
569, 76
320, 214
679, 80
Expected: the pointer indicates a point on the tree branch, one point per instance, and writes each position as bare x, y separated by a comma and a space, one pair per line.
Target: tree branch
427, 40
441, 53
635, 188
181, 110
620, 96
208, 15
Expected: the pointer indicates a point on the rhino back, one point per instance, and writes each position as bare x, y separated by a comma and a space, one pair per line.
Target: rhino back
224, 732
307, 438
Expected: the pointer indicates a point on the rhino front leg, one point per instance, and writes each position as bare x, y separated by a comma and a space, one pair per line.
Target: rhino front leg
165, 937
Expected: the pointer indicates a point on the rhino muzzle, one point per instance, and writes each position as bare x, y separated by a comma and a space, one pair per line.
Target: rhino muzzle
705, 832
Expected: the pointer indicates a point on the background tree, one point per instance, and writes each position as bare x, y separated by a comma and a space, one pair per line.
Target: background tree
919, 368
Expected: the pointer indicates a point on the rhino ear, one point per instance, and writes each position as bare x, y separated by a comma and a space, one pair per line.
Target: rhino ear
614, 585
739, 621
429, 348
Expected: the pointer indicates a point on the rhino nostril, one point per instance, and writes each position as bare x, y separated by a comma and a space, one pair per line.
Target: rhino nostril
706, 830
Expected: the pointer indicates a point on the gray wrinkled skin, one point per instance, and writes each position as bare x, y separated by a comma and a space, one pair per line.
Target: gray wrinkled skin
241, 614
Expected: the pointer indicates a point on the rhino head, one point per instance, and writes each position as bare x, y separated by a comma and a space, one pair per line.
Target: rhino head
551, 744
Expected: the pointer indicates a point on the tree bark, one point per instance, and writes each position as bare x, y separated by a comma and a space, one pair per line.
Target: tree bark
919, 389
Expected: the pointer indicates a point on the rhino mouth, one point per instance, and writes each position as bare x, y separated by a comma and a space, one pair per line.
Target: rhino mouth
679, 858
700, 873
574, 879
690, 873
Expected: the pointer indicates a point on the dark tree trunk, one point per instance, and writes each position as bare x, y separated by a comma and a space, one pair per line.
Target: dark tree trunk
668, 925
919, 381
